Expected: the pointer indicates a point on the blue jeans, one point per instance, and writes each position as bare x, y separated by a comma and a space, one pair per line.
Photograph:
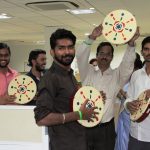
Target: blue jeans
123, 129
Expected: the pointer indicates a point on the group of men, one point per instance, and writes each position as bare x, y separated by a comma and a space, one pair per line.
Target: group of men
37, 62
58, 86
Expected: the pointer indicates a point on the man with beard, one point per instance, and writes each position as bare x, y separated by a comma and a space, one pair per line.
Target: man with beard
37, 62
110, 81
140, 81
55, 95
6, 75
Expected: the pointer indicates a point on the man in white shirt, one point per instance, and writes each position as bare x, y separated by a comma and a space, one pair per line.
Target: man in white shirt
102, 137
140, 81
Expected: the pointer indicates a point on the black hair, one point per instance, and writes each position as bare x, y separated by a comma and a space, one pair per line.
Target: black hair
102, 44
145, 41
4, 45
34, 54
61, 34
138, 63
92, 60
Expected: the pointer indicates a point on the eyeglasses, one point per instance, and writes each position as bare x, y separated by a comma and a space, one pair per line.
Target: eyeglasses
105, 54
146, 48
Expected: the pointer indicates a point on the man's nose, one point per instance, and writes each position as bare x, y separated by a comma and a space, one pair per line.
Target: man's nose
67, 50
104, 56
3, 57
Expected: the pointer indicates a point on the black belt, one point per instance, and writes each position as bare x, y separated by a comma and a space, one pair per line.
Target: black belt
106, 123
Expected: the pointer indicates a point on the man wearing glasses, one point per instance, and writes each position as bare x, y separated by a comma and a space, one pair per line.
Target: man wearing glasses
105, 79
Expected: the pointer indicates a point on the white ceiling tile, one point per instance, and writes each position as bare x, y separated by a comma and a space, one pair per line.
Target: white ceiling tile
28, 24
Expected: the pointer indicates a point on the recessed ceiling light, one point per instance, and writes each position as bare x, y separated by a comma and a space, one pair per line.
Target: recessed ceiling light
81, 11
40, 42
4, 16
94, 24
87, 34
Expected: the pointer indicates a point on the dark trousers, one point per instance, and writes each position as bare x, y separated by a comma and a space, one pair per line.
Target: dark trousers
134, 144
101, 137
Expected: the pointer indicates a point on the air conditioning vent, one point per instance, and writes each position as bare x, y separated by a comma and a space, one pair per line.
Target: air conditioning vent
52, 5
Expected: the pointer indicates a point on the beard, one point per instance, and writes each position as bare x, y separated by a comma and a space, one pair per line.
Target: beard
147, 58
65, 60
5, 65
39, 68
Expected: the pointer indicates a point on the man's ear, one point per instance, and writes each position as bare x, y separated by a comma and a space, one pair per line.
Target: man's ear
33, 62
96, 55
52, 52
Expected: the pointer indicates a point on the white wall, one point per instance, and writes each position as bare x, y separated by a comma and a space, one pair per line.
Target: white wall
20, 53
20, 132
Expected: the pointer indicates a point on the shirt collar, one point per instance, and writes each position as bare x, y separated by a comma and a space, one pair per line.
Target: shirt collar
108, 71
61, 69
31, 74
10, 71
144, 69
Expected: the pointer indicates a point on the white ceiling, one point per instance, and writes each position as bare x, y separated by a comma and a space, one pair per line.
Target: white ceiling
27, 24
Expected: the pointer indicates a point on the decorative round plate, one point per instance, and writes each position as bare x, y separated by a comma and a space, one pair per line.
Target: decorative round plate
95, 100
143, 110
119, 26
23, 87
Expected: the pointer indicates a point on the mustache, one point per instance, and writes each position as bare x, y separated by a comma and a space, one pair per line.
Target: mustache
104, 59
147, 60
3, 60
71, 56
147, 55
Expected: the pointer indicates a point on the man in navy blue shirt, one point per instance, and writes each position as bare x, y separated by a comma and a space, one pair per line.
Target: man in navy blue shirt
37, 62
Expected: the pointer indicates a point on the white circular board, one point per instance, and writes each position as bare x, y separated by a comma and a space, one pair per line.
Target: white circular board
141, 113
95, 100
23, 87
119, 26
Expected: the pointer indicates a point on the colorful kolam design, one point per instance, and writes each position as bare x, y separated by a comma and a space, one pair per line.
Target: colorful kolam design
119, 26
23, 87
95, 100
144, 108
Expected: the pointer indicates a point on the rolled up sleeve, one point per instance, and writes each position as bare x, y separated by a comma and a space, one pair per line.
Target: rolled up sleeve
127, 65
44, 100
82, 55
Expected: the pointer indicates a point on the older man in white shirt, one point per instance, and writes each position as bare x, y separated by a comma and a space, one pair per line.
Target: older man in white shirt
140, 81
102, 137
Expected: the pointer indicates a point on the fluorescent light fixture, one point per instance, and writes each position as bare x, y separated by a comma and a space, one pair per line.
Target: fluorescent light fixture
40, 42
92, 8
4, 16
95, 24
87, 34
81, 11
